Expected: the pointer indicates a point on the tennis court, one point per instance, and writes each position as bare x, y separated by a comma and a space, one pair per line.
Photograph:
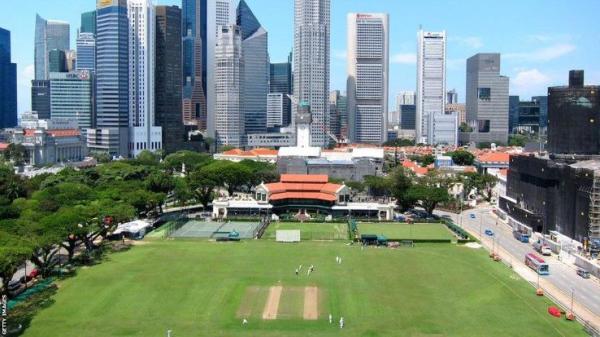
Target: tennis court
211, 229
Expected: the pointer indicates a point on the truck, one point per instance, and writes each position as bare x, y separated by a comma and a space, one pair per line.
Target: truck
542, 248
523, 237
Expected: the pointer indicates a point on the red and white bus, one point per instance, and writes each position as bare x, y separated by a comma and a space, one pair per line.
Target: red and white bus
537, 263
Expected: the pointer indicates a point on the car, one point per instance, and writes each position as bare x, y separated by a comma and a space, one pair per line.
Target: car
32, 274
489, 232
14, 286
472, 216
583, 273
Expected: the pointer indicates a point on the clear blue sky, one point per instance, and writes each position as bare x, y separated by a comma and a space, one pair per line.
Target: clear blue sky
540, 40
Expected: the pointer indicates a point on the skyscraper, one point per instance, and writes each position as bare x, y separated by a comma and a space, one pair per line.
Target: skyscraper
57, 61
311, 63
452, 97
168, 89
405, 103
71, 97
368, 77
229, 117
218, 13
112, 80
338, 111
573, 117
487, 100
40, 98
431, 81
274, 110
49, 35
8, 83
193, 32
86, 52
280, 81
88, 22
255, 78
143, 132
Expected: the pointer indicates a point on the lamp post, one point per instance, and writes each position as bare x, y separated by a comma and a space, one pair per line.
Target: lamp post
571, 315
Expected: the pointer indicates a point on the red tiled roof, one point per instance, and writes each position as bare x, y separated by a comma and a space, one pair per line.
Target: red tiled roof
304, 178
3, 146
494, 157
303, 195
64, 133
28, 132
251, 153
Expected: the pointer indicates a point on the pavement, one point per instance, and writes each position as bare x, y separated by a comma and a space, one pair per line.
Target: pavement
563, 280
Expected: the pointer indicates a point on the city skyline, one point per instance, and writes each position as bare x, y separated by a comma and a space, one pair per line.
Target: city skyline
535, 56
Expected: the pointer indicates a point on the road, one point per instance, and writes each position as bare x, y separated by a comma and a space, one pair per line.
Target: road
562, 275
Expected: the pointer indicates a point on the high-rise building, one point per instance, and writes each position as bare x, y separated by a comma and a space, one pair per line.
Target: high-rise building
452, 97
338, 111
86, 52
194, 45
487, 100
8, 83
57, 61
71, 60
431, 81
112, 79
274, 110
513, 112
528, 118
281, 82
255, 77
143, 132
218, 13
88, 22
229, 117
49, 35
311, 64
443, 129
368, 77
40, 98
71, 97
573, 116
543, 103
405, 105
168, 77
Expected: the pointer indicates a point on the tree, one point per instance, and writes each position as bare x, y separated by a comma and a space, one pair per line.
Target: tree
101, 157
356, 186
399, 142
160, 182
484, 183
182, 192
202, 184
226, 148
464, 127
428, 196
378, 186
147, 158
401, 182
260, 172
517, 140
16, 153
230, 175
462, 157
192, 160
14, 251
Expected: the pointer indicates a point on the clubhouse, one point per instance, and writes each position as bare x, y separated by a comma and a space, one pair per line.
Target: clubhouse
302, 194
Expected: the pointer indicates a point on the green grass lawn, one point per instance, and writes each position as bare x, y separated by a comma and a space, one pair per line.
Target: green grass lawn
423, 231
196, 288
311, 231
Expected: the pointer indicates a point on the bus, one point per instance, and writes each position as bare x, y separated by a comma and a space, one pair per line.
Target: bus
523, 237
537, 263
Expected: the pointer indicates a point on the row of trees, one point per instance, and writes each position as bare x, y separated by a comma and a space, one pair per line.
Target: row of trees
79, 208
426, 191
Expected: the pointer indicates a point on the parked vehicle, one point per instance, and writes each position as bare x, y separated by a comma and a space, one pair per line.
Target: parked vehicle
14, 287
489, 232
523, 237
542, 248
32, 274
583, 273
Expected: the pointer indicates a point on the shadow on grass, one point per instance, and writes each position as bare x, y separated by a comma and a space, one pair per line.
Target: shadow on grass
19, 318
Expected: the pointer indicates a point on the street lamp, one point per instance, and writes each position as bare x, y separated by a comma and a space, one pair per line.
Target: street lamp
571, 315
